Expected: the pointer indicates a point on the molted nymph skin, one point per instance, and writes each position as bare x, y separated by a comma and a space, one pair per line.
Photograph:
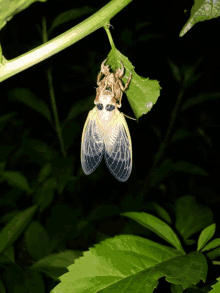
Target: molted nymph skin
106, 134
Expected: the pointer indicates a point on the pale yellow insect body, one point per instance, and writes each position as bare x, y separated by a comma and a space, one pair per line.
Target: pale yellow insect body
106, 134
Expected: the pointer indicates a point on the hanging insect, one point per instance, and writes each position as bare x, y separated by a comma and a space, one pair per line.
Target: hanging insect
106, 132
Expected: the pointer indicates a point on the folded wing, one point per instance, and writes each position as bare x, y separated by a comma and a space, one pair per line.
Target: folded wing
118, 148
92, 146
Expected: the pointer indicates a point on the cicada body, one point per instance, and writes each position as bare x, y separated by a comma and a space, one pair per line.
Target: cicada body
106, 134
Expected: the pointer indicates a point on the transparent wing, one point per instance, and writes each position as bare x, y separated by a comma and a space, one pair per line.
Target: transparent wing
118, 149
92, 146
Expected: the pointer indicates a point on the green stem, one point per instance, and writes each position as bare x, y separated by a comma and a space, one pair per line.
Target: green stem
170, 128
163, 145
91, 24
106, 27
55, 112
52, 95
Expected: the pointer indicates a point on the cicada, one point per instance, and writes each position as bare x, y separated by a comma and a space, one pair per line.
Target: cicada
106, 131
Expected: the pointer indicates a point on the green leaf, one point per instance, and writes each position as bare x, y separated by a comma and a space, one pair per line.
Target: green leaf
134, 263
201, 10
191, 217
8, 255
56, 264
199, 99
45, 172
34, 282
43, 150
26, 97
15, 227
162, 212
215, 253
45, 193
216, 287
191, 74
179, 134
7, 217
176, 289
9, 8
190, 241
212, 244
44, 198
37, 240
142, 92
50, 183
16, 179
2, 287
156, 225
207, 138
5, 119
183, 166
62, 171
38, 151
205, 236
160, 173
143, 24
78, 108
174, 70
70, 15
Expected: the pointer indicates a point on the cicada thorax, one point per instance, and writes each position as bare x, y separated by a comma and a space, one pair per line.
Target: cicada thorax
106, 108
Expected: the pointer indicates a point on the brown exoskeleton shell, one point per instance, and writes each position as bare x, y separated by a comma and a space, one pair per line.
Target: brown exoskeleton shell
111, 83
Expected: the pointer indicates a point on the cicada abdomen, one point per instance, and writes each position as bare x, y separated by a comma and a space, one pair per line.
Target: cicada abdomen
106, 131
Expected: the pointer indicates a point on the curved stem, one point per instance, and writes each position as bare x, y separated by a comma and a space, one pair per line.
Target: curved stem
164, 143
106, 27
55, 112
91, 24
52, 95
170, 128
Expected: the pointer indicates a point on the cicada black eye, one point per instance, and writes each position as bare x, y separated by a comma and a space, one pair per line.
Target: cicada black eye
108, 89
99, 106
109, 107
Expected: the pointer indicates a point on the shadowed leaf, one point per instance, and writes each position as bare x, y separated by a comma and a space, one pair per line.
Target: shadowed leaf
26, 97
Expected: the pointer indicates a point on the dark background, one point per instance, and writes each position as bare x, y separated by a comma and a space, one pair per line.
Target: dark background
147, 32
